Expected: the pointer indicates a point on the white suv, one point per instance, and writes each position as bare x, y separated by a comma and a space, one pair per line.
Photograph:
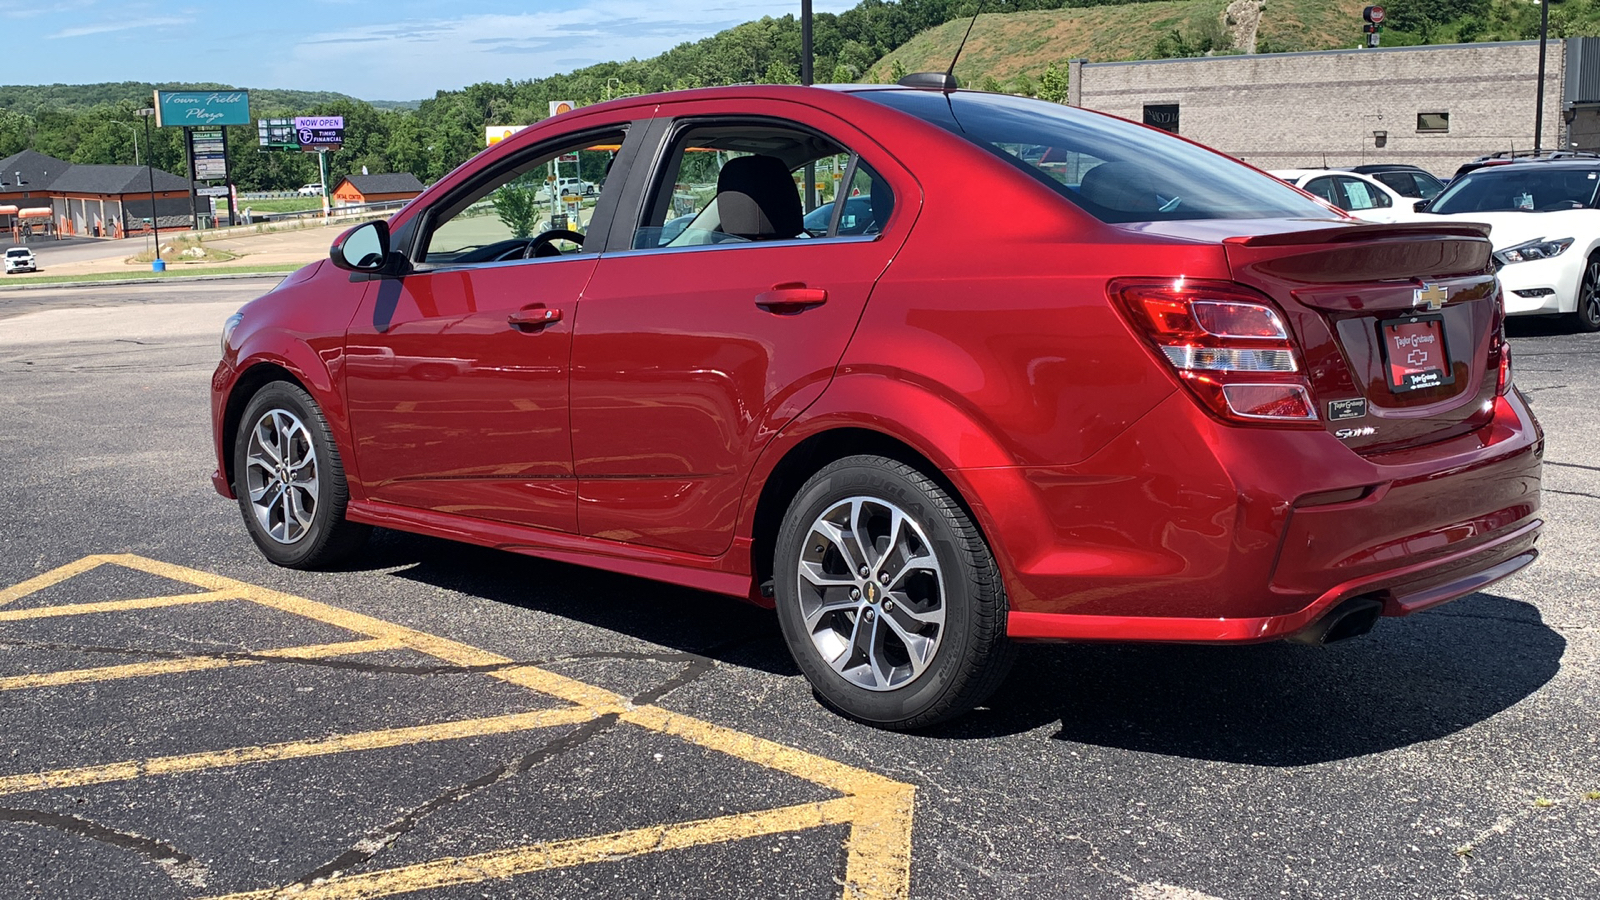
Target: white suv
310, 190
568, 187
20, 259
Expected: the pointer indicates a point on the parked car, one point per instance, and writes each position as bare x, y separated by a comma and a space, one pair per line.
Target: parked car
1507, 157
20, 259
1546, 232
310, 190
1412, 182
1147, 393
1361, 196
567, 187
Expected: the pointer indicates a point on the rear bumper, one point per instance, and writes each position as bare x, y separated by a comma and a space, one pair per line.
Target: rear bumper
1184, 529
1417, 588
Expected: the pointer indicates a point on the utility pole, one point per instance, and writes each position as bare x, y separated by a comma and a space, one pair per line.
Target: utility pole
807, 78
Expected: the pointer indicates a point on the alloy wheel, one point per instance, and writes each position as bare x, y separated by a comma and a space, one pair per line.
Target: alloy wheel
872, 593
281, 476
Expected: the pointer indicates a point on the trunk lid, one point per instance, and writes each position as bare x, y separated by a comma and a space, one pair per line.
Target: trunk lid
1398, 324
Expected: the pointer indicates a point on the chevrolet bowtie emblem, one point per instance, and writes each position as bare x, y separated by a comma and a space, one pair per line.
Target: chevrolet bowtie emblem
1432, 296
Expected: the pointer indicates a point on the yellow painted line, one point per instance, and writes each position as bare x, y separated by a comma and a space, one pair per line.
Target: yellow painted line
83, 609
499, 864
454, 652
339, 743
190, 664
53, 577
878, 809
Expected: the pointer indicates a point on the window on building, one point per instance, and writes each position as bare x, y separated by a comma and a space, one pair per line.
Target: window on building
1437, 122
1162, 115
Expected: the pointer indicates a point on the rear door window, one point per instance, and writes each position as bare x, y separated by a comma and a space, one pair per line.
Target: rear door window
1363, 195
1113, 169
1327, 187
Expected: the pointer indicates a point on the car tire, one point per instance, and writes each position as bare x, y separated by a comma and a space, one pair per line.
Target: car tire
1587, 316
285, 459
871, 543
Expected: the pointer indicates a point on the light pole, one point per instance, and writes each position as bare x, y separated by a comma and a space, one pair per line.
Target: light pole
158, 265
1538, 108
135, 138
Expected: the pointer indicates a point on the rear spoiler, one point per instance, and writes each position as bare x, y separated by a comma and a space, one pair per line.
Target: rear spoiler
1345, 234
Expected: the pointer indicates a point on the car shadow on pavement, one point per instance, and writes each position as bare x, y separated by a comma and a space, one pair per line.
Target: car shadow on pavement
1280, 704
721, 628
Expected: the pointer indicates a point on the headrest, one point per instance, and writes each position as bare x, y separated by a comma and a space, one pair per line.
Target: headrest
757, 199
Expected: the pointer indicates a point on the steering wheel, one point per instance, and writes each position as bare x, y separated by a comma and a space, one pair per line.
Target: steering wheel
540, 245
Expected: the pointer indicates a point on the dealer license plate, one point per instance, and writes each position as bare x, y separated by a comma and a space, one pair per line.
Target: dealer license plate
1415, 355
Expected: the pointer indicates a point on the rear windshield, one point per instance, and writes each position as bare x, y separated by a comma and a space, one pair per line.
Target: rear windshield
1115, 170
1534, 188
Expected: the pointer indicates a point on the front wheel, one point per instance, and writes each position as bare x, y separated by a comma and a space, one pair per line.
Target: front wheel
1587, 315
290, 481
889, 599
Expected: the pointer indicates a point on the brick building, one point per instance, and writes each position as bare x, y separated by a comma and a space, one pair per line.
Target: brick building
1432, 106
81, 198
354, 190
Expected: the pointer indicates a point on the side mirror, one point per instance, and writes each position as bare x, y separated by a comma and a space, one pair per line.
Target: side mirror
364, 248
1419, 205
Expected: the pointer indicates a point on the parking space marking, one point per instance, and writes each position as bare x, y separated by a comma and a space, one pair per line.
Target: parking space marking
53, 577
84, 609
451, 871
194, 664
877, 809
338, 743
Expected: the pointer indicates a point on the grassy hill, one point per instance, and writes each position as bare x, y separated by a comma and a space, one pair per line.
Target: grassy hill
1004, 46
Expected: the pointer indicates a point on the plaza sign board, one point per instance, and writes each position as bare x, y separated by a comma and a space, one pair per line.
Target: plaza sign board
314, 133
209, 151
189, 109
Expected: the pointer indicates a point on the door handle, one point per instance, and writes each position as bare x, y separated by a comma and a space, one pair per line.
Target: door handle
791, 299
533, 318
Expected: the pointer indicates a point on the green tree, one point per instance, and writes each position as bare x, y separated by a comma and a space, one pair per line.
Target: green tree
517, 207
897, 71
1424, 18
1053, 84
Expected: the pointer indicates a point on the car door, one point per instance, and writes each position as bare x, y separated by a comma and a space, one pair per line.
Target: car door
695, 344
457, 372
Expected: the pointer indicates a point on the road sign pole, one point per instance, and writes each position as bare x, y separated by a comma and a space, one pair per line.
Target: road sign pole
322, 167
194, 197
1538, 104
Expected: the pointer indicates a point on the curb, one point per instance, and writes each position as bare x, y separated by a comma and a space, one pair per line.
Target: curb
184, 279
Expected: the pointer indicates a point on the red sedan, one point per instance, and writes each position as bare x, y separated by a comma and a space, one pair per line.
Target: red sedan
1036, 373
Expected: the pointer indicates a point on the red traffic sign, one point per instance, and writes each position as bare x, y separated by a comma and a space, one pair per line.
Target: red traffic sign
1373, 14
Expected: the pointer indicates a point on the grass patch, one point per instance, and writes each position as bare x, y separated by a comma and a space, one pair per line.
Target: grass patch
283, 205
147, 275
186, 251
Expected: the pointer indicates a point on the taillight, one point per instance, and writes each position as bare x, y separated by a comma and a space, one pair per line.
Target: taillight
1228, 345
1499, 347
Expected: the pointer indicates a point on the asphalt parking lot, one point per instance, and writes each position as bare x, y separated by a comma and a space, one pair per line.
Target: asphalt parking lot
182, 719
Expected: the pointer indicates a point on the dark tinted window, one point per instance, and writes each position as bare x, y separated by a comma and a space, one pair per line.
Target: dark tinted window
1326, 188
1418, 185
1532, 188
1115, 170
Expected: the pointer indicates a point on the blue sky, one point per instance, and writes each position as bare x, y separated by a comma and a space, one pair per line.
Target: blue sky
399, 50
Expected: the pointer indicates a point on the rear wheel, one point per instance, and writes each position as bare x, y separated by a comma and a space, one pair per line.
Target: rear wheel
290, 481
889, 598
1587, 315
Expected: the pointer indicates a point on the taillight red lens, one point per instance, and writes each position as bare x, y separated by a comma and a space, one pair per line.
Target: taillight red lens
1499, 348
1229, 346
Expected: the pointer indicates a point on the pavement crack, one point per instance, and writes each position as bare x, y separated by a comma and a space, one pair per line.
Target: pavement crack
353, 665
375, 842
1551, 462
178, 865
1572, 493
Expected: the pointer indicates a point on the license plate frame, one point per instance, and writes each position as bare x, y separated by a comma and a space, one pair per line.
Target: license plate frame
1433, 369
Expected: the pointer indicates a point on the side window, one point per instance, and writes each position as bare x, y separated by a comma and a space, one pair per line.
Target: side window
1326, 188
537, 205
1363, 195
1402, 182
865, 207
733, 184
